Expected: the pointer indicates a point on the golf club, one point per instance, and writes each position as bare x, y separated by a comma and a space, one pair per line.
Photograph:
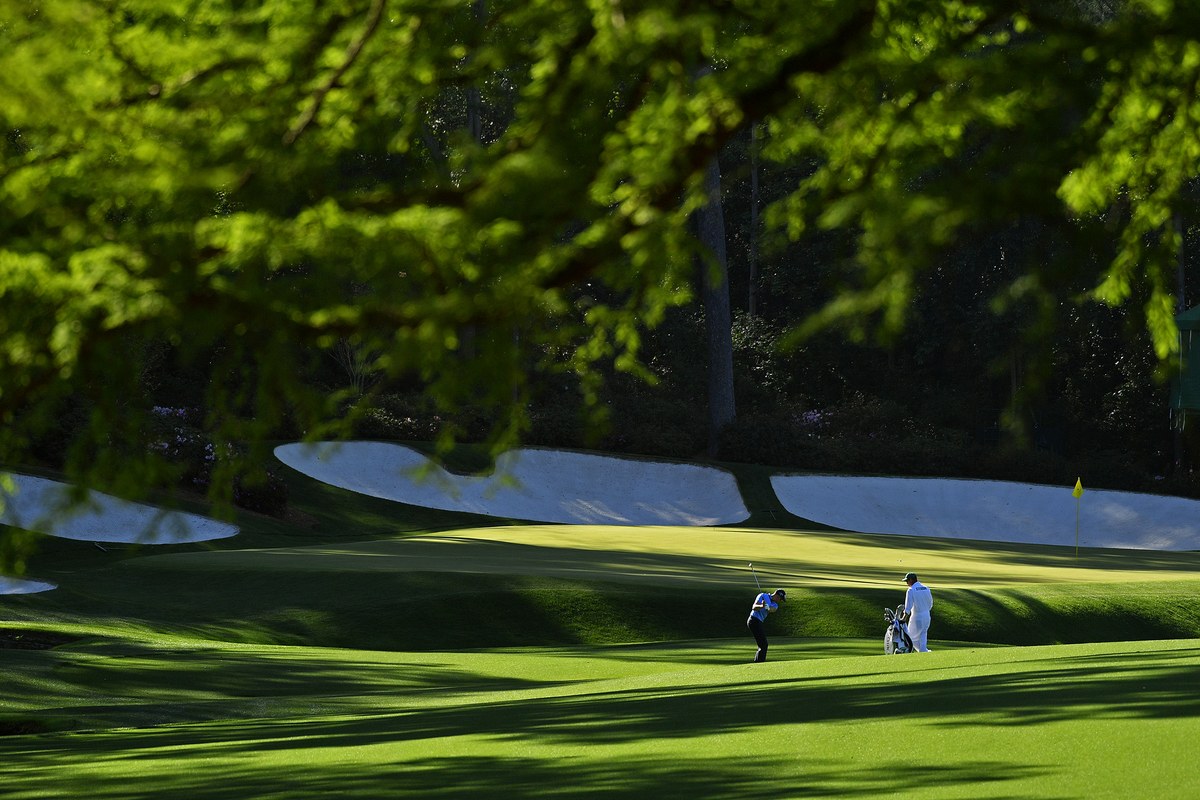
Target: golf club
755, 574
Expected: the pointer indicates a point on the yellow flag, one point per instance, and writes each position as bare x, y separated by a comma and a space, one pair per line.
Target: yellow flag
1078, 493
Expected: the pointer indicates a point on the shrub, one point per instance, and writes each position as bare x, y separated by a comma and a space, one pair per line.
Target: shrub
266, 494
179, 439
652, 425
1180, 483
395, 416
556, 425
773, 441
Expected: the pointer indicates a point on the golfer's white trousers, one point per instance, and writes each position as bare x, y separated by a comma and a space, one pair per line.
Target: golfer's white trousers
918, 631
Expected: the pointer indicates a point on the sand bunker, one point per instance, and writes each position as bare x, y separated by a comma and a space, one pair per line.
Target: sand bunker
42, 505
992, 511
21, 586
578, 488
531, 484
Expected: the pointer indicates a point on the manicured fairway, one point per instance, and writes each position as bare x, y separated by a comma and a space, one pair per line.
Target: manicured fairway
1074, 721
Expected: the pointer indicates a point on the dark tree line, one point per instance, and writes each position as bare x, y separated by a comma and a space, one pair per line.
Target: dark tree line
952, 231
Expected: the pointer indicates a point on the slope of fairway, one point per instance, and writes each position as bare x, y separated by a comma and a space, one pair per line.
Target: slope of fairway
1076, 721
713, 556
519, 585
119, 679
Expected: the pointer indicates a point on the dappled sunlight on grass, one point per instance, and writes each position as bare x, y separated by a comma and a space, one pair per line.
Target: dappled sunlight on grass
114, 683
723, 723
711, 556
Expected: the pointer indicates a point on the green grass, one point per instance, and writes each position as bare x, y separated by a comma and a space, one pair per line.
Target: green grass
365, 649
545, 584
175, 718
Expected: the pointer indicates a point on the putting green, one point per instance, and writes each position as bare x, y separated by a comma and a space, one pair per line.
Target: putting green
711, 556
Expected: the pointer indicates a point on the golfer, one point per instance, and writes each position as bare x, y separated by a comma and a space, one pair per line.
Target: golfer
763, 604
918, 610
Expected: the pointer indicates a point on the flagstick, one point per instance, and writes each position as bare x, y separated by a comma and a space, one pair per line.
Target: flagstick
1078, 495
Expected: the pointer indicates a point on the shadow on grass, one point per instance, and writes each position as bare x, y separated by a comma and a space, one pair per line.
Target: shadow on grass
122, 684
396, 611
404, 751
522, 777
1101, 560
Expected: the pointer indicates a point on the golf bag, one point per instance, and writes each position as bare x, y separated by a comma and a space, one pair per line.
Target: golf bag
896, 639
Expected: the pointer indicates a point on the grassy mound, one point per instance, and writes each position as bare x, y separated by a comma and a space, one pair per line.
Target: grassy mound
554, 585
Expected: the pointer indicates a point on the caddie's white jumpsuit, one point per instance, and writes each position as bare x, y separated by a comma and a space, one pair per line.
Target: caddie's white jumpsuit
918, 605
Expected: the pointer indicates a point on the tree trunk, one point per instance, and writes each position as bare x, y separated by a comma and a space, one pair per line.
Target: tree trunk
475, 129
753, 275
714, 282
1180, 307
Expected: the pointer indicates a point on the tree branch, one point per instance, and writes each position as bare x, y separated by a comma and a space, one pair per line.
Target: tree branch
352, 53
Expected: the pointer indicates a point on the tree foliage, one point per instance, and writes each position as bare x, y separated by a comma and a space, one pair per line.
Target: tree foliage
227, 177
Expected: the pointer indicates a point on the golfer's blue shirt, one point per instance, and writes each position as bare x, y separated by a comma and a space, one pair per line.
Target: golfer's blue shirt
761, 613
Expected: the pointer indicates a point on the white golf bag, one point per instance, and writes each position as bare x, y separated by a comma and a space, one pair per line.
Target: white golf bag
896, 639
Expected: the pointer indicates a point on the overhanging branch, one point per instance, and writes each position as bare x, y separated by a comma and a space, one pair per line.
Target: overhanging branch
352, 53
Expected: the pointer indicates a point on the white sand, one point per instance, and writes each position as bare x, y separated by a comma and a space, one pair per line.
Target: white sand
42, 505
21, 586
992, 511
531, 484
561, 486
579, 488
